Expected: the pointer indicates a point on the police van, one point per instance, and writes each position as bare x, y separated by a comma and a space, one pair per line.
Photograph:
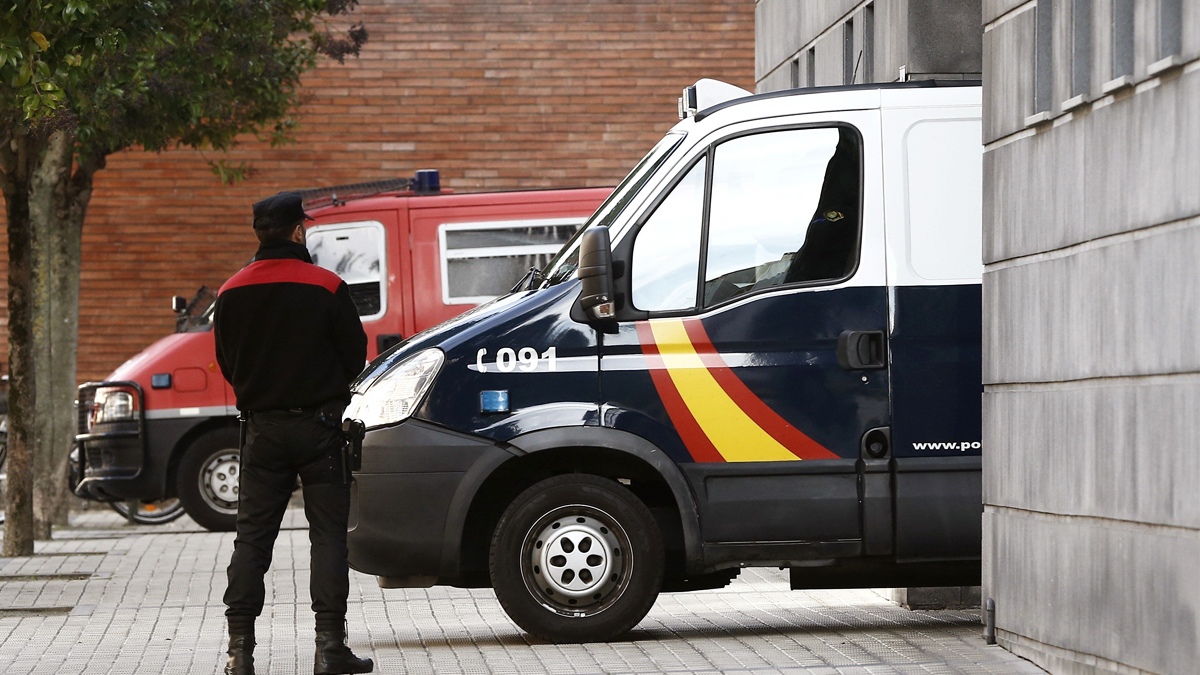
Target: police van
764, 349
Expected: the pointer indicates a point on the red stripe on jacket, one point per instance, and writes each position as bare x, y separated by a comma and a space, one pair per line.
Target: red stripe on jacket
283, 271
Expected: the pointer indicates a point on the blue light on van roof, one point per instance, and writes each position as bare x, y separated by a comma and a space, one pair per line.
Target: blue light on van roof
427, 182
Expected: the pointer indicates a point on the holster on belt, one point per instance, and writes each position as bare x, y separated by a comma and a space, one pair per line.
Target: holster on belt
353, 432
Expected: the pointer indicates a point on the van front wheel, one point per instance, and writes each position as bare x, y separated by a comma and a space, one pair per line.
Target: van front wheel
209, 478
577, 558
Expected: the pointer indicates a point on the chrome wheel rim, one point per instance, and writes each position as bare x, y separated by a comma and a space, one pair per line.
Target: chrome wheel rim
219, 481
150, 513
576, 560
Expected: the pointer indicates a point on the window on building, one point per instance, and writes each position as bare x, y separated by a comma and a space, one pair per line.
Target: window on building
810, 65
848, 52
943, 169
1081, 47
1170, 28
868, 65
794, 68
1122, 38
1043, 74
666, 253
784, 209
357, 253
483, 260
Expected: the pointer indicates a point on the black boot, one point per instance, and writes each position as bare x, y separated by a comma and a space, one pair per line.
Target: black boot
335, 658
241, 655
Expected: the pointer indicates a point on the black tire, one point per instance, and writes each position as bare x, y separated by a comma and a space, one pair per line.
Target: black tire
151, 513
601, 551
208, 478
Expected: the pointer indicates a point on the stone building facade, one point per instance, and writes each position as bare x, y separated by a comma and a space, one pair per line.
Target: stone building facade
1091, 303
816, 44
1091, 233
497, 94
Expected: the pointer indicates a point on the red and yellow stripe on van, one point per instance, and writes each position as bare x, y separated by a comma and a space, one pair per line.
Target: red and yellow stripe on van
714, 412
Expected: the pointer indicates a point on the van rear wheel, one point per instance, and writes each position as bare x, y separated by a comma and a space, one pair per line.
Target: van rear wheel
577, 558
209, 479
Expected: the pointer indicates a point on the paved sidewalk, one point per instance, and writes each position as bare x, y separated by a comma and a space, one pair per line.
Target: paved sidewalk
107, 598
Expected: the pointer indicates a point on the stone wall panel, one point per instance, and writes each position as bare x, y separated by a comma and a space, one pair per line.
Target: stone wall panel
1123, 591
1123, 449
1131, 307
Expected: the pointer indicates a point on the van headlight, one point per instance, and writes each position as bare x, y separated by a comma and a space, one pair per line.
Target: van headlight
396, 394
113, 404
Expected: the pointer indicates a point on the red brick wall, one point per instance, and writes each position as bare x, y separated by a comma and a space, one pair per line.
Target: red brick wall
494, 93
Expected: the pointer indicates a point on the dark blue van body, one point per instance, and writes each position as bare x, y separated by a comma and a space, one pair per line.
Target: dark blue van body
790, 375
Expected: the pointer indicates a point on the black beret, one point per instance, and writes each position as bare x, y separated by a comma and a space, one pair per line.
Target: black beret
281, 210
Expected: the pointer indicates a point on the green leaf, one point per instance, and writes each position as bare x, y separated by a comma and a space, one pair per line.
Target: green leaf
3, 58
40, 40
23, 75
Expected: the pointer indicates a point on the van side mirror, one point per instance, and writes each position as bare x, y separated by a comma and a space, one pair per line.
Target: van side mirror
595, 271
178, 304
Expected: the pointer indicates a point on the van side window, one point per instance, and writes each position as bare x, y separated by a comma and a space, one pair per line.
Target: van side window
666, 254
355, 252
784, 210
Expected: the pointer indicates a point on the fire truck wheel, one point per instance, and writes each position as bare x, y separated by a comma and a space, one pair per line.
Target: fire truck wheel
151, 513
577, 558
208, 480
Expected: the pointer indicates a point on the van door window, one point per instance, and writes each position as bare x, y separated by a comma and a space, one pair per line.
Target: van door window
784, 210
666, 253
355, 252
481, 261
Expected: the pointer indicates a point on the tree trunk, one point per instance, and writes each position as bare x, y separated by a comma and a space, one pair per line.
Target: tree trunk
45, 205
56, 299
65, 258
17, 153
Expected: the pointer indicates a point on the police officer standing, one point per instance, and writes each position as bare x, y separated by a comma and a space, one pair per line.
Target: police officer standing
289, 340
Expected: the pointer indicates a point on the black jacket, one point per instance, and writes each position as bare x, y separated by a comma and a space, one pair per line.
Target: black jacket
287, 332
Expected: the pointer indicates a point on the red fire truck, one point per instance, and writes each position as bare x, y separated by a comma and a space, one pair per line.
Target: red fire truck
159, 437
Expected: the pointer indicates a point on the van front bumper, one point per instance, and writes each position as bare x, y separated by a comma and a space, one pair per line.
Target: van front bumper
108, 460
410, 499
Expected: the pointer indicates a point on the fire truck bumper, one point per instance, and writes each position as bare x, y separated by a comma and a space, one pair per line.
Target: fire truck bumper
108, 468
410, 500
107, 461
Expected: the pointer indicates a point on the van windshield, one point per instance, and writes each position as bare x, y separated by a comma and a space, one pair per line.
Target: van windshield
197, 317
563, 266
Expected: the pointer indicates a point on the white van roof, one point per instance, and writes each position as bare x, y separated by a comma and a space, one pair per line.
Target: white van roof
916, 93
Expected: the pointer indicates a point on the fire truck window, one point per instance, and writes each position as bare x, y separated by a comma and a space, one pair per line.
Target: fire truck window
355, 252
784, 210
481, 261
666, 253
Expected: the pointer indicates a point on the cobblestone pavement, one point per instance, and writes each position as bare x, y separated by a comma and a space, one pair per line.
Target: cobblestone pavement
107, 598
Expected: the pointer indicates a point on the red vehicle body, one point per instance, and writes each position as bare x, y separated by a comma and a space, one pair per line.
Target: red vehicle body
163, 426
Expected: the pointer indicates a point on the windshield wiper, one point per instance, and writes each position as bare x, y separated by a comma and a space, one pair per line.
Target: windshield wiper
530, 279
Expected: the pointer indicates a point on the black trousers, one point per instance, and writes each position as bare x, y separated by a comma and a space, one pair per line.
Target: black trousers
280, 446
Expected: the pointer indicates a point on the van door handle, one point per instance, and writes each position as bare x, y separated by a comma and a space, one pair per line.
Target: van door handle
862, 350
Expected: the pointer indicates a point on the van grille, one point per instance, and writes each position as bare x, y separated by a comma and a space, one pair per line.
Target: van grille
83, 407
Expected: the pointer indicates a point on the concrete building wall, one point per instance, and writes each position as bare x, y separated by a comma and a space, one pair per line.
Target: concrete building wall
891, 40
1091, 351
